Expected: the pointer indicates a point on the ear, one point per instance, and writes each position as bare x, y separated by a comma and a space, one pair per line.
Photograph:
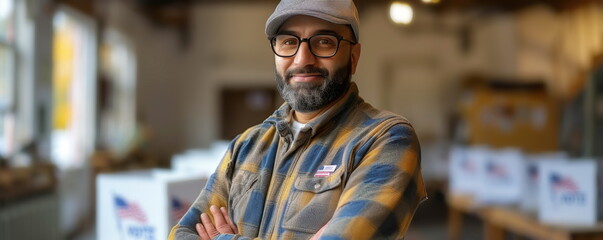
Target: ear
356, 49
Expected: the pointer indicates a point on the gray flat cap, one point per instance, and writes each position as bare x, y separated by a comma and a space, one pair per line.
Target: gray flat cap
335, 11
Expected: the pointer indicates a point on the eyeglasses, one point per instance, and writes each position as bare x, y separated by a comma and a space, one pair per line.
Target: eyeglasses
321, 45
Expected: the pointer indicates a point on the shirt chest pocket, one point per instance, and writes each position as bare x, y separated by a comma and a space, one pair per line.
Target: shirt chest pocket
242, 182
313, 202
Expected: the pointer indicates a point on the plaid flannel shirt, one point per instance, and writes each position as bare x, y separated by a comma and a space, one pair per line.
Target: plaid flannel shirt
354, 168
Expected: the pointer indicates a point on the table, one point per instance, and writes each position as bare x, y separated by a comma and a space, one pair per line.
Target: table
23, 182
499, 221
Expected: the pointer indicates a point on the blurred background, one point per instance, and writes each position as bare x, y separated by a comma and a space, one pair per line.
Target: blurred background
93, 88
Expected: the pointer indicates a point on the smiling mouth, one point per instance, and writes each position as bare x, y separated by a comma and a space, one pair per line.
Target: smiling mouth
306, 77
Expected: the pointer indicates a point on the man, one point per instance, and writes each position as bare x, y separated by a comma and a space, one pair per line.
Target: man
325, 164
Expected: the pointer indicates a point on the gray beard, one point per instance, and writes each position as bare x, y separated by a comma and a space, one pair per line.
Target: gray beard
309, 97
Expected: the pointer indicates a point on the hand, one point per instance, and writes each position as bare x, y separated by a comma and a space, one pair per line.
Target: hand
317, 235
206, 229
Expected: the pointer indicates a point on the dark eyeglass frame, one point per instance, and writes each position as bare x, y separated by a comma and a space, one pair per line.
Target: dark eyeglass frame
307, 40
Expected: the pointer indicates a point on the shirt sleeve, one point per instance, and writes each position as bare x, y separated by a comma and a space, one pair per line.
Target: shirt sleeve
383, 191
232, 237
215, 193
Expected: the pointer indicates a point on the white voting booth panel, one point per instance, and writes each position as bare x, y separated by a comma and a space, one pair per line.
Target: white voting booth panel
503, 177
143, 204
530, 200
490, 176
568, 192
200, 161
467, 169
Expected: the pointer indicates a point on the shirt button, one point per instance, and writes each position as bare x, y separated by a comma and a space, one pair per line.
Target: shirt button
316, 186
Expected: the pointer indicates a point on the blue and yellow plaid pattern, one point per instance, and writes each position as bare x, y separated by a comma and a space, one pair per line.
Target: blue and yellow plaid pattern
267, 179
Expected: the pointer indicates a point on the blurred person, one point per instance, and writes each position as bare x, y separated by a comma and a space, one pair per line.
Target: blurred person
325, 164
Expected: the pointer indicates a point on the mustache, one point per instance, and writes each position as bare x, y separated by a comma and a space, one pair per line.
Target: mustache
323, 72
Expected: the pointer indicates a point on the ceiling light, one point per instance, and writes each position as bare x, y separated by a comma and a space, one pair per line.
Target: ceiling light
430, 1
401, 13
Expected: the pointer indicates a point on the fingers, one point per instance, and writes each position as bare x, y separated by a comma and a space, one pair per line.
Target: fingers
232, 226
207, 230
203, 235
220, 219
208, 225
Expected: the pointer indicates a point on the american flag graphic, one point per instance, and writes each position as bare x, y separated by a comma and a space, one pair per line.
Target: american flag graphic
496, 170
179, 208
129, 210
561, 183
468, 166
325, 170
533, 173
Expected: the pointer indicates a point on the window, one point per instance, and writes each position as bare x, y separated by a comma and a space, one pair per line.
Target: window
74, 87
7, 78
118, 94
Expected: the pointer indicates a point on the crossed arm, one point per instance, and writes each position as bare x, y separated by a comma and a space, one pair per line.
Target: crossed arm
207, 230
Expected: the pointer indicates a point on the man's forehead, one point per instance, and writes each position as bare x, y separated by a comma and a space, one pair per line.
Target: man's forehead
303, 23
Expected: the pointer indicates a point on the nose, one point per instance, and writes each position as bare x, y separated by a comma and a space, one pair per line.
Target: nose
304, 56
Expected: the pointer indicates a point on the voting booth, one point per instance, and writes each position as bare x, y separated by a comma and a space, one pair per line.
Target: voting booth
491, 176
143, 204
502, 179
200, 161
467, 169
567, 192
531, 199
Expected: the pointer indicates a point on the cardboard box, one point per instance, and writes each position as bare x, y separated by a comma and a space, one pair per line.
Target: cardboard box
502, 118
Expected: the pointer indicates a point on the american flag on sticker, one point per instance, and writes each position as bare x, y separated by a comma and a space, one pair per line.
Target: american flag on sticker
179, 208
129, 210
325, 170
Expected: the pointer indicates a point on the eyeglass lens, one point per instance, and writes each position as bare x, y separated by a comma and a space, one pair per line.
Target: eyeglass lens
320, 45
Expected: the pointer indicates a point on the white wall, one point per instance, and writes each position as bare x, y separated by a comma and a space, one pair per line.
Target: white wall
178, 85
232, 50
406, 69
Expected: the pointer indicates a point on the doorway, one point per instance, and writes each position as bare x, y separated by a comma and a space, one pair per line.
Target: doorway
243, 107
